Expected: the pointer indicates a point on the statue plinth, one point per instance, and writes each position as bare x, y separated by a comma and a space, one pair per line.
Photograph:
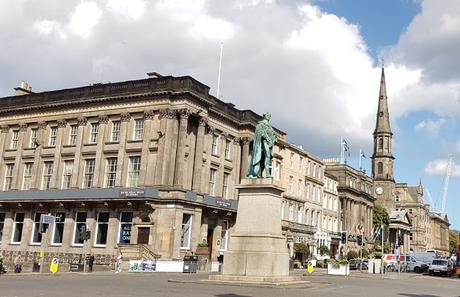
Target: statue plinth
257, 249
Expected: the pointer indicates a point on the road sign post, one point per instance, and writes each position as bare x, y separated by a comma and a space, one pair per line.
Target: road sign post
45, 221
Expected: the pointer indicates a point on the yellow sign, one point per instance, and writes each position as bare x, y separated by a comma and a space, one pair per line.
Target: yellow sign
310, 268
54, 265
42, 254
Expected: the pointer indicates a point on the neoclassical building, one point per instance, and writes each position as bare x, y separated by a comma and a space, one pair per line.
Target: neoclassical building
148, 167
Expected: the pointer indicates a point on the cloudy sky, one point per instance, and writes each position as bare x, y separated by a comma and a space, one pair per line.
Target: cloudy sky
315, 65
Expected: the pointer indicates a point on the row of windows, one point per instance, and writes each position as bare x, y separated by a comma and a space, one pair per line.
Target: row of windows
134, 169
312, 169
213, 183
79, 227
137, 134
297, 214
311, 192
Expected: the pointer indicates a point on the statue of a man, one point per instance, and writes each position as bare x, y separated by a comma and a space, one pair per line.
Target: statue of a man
264, 140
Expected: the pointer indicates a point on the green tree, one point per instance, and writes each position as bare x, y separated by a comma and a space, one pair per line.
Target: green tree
324, 250
380, 216
302, 248
452, 241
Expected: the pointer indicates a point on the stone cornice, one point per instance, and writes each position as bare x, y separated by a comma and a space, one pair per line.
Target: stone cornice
5, 128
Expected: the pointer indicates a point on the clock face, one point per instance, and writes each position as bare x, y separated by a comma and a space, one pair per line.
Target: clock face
379, 190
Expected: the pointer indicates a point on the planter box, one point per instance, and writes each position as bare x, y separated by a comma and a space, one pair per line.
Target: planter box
202, 251
342, 270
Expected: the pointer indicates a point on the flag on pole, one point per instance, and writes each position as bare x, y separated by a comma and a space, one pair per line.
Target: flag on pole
346, 148
362, 155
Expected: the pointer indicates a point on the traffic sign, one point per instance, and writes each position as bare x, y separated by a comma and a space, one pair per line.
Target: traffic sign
47, 219
54, 265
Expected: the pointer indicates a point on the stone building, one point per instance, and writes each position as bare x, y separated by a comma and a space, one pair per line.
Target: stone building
148, 167
410, 217
355, 192
438, 234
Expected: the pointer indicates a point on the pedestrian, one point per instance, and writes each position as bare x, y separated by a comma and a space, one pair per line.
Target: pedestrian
17, 264
91, 262
118, 262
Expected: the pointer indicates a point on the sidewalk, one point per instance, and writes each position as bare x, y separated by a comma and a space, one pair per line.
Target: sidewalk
356, 274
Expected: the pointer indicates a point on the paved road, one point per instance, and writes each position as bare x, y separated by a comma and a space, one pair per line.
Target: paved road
124, 284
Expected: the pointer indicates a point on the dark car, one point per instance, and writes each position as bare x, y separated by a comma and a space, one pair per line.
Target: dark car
356, 264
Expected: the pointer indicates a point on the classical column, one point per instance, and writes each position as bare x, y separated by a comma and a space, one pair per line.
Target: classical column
36, 179
244, 156
61, 125
145, 158
3, 136
237, 165
79, 165
183, 126
122, 168
99, 166
198, 164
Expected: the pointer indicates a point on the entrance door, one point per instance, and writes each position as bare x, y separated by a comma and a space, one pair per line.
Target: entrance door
143, 234
210, 239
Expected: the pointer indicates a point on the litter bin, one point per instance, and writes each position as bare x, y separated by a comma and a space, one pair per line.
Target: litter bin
190, 264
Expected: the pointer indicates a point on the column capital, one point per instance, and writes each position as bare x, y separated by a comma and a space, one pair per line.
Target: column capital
42, 125
149, 114
184, 113
245, 140
103, 119
203, 122
125, 117
237, 140
5, 128
211, 129
22, 127
168, 113
82, 121
62, 123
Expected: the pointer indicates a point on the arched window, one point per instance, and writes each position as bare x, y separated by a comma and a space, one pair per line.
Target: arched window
380, 168
380, 143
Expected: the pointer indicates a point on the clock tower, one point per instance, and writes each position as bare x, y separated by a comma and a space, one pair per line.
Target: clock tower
382, 157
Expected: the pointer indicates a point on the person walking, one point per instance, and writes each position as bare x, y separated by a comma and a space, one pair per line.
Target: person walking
17, 264
90, 262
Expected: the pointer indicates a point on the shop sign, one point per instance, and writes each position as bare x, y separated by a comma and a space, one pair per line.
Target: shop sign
132, 192
125, 233
223, 203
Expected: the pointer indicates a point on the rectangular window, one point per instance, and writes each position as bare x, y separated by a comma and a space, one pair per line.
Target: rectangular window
73, 134
36, 235
14, 140
47, 174
53, 136
33, 141
291, 212
111, 172
8, 177
102, 228
89, 173
2, 223
80, 227
291, 184
186, 231
134, 170
299, 215
307, 190
300, 164
299, 189
228, 149
94, 132
277, 173
27, 178
67, 174
225, 185
17, 228
138, 129
115, 136
291, 160
224, 236
212, 182
58, 228
215, 144
126, 225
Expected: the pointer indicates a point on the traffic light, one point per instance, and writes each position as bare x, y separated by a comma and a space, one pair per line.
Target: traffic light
359, 239
84, 234
343, 237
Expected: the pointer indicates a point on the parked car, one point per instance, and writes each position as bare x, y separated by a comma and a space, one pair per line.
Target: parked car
413, 264
356, 264
441, 266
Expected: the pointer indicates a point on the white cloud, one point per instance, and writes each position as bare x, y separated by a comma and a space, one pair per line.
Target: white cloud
429, 126
85, 17
47, 27
438, 167
133, 9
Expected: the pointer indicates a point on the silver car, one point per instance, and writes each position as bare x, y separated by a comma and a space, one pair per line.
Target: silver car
441, 266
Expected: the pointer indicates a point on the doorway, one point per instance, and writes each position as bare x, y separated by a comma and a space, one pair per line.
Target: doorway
143, 234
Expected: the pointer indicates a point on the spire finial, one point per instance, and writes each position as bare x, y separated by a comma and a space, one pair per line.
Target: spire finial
382, 59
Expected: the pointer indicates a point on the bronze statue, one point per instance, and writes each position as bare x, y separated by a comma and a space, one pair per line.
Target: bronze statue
264, 140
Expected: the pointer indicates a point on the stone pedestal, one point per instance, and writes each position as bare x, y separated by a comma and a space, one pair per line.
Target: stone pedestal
257, 249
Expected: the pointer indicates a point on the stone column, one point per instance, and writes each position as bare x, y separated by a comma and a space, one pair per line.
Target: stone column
198, 164
57, 173
79, 165
122, 162
148, 128
236, 165
244, 156
99, 168
36, 178
180, 160
3, 136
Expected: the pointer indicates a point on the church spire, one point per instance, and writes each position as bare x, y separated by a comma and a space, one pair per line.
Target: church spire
383, 116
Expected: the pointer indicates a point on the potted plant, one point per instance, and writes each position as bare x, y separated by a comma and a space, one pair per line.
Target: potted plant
202, 248
338, 267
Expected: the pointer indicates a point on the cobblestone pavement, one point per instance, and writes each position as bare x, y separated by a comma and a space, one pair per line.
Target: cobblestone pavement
188, 285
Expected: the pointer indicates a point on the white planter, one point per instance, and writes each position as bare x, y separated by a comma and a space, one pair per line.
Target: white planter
342, 270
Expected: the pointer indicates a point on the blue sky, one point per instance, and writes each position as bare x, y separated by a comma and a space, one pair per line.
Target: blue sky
314, 64
381, 24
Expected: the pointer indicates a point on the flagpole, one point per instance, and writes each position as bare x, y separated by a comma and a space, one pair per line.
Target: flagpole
220, 70
342, 153
360, 161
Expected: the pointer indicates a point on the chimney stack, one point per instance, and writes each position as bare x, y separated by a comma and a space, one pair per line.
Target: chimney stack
24, 89
154, 75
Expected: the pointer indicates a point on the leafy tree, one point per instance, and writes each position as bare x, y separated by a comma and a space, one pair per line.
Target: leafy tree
324, 250
352, 255
380, 216
453, 241
302, 248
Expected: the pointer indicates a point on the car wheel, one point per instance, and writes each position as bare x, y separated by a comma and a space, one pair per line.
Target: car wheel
430, 273
417, 270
